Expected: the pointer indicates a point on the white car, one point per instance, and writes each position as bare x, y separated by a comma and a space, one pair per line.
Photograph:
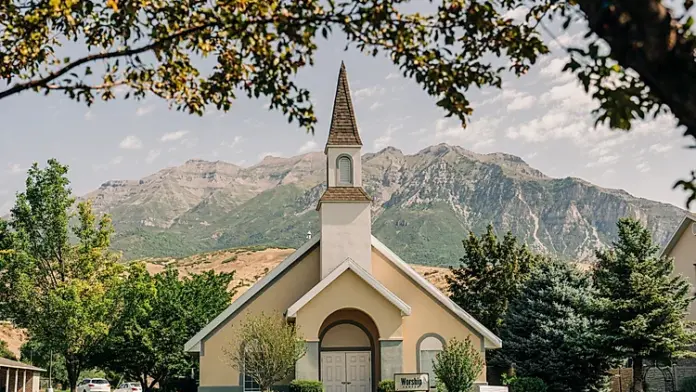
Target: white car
94, 385
129, 387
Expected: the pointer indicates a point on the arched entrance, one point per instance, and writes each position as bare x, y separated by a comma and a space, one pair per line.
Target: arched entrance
348, 356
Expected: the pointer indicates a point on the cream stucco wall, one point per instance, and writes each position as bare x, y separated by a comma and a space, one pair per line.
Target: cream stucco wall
684, 253
349, 291
345, 232
427, 315
278, 296
332, 154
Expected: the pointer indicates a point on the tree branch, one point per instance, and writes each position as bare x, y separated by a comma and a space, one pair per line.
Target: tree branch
643, 36
102, 86
19, 87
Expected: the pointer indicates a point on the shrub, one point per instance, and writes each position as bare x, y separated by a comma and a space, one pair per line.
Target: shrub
457, 366
386, 386
306, 386
527, 384
688, 385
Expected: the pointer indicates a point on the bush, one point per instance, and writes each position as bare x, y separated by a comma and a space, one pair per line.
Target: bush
457, 366
386, 386
688, 385
527, 384
306, 386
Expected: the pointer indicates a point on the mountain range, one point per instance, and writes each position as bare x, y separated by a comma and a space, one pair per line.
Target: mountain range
424, 204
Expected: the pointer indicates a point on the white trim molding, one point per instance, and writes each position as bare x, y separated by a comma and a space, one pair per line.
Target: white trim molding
194, 344
676, 235
491, 340
348, 264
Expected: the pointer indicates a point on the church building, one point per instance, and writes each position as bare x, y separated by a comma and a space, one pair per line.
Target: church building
363, 312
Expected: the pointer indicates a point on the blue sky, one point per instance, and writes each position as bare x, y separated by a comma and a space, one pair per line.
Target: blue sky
543, 117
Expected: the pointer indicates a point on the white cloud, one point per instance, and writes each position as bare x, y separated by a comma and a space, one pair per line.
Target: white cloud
659, 148
152, 155
15, 168
131, 143
604, 161
369, 91
392, 75
518, 14
554, 70
143, 110
172, 136
116, 160
521, 103
386, 138
643, 167
89, 115
237, 139
479, 133
375, 105
311, 145
189, 142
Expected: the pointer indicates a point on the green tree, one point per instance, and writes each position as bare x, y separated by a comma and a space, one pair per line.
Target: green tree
265, 348
457, 366
548, 334
61, 292
490, 274
5, 351
161, 313
640, 303
38, 354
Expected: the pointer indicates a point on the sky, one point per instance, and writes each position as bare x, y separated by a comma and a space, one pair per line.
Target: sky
544, 117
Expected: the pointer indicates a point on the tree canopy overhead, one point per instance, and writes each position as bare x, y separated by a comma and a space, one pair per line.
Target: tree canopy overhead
200, 53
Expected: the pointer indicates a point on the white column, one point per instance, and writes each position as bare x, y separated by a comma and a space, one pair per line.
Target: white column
24, 381
7, 381
16, 377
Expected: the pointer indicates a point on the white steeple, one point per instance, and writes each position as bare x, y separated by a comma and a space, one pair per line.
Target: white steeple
344, 209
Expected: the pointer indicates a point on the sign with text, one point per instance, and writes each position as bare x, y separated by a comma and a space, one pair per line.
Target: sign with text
411, 382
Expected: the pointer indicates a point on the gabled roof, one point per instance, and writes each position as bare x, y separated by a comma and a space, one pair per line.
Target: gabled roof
344, 127
347, 265
193, 345
490, 339
676, 235
8, 363
352, 194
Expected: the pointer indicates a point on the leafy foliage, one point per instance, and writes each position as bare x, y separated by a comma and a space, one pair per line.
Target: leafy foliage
491, 273
526, 384
457, 366
547, 332
5, 351
641, 305
61, 292
161, 313
266, 348
386, 386
38, 354
306, 386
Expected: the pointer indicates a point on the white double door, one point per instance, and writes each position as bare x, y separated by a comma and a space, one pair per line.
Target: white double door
346, 371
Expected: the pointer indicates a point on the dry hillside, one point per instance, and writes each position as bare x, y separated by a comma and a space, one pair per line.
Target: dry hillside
251, 264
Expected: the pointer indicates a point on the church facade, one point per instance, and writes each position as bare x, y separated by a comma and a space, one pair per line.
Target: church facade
363, 312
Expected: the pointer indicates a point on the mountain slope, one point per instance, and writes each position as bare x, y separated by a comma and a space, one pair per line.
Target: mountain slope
424, 205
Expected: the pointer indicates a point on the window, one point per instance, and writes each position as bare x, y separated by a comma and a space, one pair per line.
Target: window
250, 385
428, 349
345, 171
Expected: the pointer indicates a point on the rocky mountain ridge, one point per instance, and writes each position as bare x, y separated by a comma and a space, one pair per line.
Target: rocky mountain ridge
424, 205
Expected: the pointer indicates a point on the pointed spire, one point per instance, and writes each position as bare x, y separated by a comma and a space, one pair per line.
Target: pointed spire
344, 128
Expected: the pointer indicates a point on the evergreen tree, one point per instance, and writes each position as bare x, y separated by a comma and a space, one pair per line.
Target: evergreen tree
491, 272
640, 302
547, 332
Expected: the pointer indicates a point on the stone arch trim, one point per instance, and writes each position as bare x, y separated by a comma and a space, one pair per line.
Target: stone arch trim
418, 346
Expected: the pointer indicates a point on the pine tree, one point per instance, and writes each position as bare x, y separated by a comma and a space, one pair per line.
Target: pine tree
640, 302
490, 274
547, 332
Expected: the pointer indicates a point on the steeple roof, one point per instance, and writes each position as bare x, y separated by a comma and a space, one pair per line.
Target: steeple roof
344, 128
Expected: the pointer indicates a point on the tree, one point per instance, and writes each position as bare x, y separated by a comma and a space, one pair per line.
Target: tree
641, 305
38, 354
161, 313
457, 366
258, 46
490, 274
60, 291
5, 351
548, 332
265, 348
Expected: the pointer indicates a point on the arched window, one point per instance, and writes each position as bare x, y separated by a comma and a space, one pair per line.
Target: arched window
345, 170
428, 348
